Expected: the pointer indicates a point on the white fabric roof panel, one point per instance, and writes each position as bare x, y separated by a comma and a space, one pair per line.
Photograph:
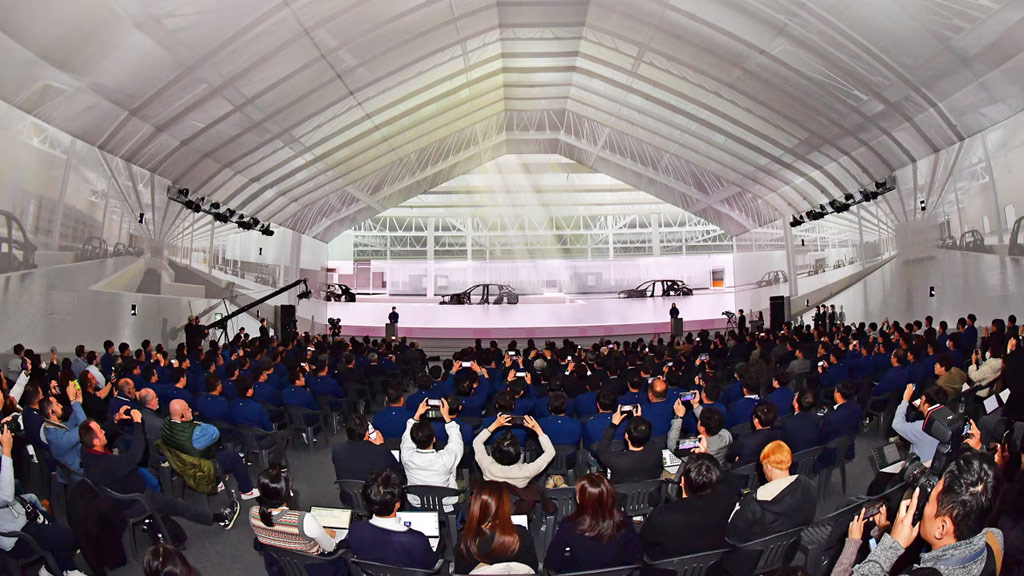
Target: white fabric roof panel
313, 114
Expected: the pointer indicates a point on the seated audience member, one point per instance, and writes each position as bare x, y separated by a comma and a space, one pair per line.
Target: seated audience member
639, 459
96, 394
895, 378
505, 462
54, 538
391, 420
801, 430
277, 526
322, 383
709, 397
950, 377
489, 536
986, 367
785, 502
299, 395
921, 443
125, 397
424, 465
423, 387
469, 386
62, 435
594, 427
746, 448
213, 406
384, 539
800, 364
597, 535
505, 403
953, 524
166, 560
843, 419
198, 440
247, 412
697, 522
363, 454
563, 430
658, 409
782, 396
178, 390
119, 472
741, 411
717, 439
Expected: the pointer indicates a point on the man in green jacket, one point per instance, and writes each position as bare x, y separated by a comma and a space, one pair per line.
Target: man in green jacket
198, 440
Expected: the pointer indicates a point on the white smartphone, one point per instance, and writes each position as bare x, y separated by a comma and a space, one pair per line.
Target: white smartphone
370, 430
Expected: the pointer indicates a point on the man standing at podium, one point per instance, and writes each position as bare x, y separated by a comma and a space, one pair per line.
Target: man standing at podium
393, 317
673, 312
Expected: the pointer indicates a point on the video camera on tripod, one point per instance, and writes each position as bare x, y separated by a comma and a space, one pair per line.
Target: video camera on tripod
950, 429
334, 326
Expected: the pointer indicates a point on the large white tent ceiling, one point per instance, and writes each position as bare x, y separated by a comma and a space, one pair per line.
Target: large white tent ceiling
320, 113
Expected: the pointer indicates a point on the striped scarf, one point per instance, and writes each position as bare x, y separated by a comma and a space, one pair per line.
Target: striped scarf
286, 533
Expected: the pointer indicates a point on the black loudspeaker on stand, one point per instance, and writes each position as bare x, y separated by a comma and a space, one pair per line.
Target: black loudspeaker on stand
778, 307
287, 324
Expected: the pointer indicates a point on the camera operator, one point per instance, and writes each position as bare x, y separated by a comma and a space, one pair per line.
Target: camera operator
921, 443
952, 523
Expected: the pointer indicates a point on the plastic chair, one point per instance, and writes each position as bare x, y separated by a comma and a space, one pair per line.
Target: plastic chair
564, 499
618, 571
128, 501
746, 477
640, 498
564, 453
772, 552
881, 407
251, 436
19, 565
835, 453
822, 542
805, 461
432, 498
333, 410
374, 569
299, 423
354, 490
691, 565
739, 429
294, 563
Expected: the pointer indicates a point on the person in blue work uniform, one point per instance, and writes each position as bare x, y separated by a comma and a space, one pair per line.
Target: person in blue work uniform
214, 406
560, 428
593, 428
391, 420
247, 412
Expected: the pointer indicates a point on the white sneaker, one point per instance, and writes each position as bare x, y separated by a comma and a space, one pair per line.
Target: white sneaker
255, 493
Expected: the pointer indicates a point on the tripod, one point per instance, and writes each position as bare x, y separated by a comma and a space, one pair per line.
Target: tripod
730, 320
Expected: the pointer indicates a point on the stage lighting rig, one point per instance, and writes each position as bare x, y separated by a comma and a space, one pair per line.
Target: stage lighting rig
797, 221
216, 210
266, 231
242, 222
838, 206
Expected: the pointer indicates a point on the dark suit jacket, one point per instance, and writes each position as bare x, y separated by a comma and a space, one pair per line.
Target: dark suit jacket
842, 421
357, 460
409, 549
689, 526
800, 431
746, 448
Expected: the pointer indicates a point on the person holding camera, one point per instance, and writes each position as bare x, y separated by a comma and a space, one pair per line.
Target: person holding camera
641, 459
951, 520
424, 464
22, 514
921, 443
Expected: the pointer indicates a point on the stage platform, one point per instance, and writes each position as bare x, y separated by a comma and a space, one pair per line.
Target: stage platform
543, 316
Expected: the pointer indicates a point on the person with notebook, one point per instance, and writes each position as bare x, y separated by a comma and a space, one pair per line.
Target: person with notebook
275, 525
384, 538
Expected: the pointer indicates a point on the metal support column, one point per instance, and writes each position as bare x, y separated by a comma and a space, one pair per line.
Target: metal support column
787, 235
430, 257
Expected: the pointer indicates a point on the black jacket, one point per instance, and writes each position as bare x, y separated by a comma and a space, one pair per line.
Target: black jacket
801, 431
628, 465
118, 472
791, 508
746, 448
689, 526
357, 460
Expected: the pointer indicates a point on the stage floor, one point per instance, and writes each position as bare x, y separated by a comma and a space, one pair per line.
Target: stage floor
543, 316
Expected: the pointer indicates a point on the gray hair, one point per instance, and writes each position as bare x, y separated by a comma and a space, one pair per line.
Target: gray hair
539, 365
372, 356
146, 395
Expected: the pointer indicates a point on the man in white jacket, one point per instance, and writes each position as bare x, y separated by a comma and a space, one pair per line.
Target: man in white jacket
424, 465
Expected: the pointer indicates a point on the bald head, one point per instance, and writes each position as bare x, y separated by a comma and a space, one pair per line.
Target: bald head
180, 411
147, 397
657, 390
126, 387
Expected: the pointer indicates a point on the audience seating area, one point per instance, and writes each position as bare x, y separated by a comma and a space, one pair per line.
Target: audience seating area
574, 393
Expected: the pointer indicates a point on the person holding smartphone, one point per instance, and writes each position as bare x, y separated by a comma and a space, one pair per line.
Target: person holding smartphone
640, 459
